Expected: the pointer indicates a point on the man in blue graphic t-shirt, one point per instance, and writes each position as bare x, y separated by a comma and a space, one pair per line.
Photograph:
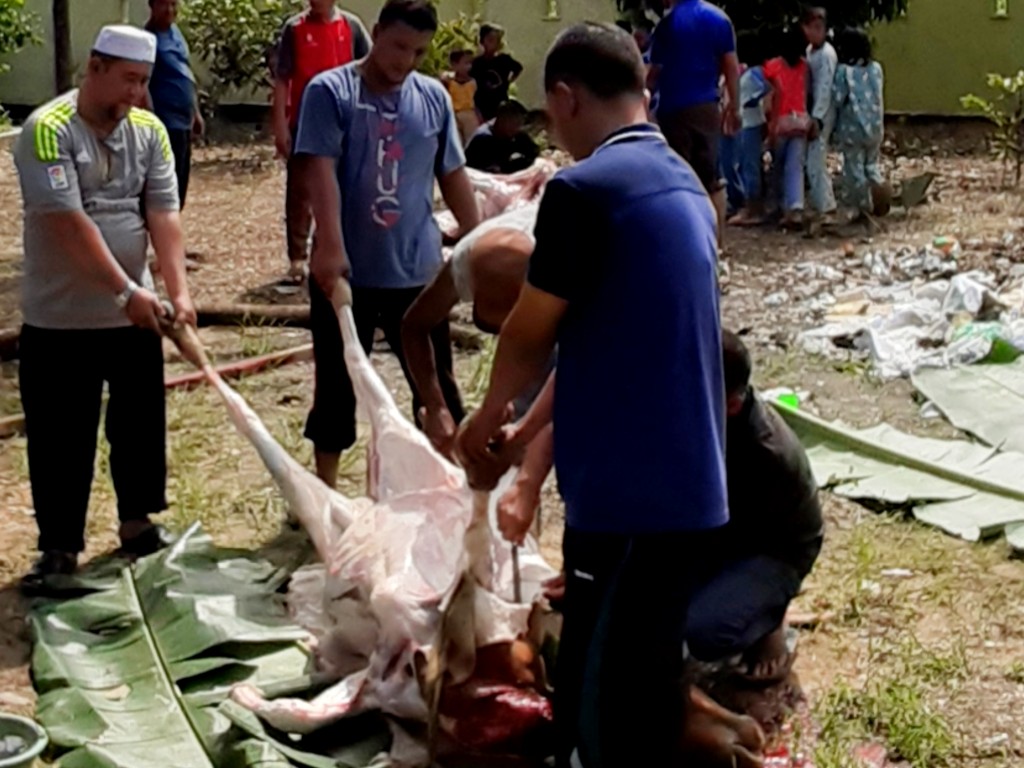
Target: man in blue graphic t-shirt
625, 242
172, 89
374, 135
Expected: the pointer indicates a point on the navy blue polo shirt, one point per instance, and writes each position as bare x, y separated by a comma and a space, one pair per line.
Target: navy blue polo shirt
688, 45
172, 86
627, 237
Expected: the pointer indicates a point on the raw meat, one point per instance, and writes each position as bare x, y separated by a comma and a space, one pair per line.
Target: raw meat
500, 194
418, 557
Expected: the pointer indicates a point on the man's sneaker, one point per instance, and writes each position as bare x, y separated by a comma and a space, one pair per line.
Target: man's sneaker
152, 539
50, 564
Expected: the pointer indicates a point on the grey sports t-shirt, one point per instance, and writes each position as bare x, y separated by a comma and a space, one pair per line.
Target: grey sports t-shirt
64, 166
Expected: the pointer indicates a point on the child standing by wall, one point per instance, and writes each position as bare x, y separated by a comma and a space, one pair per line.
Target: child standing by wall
822, 60
749, 149
462, 88
790, 124
493, 71
860, 118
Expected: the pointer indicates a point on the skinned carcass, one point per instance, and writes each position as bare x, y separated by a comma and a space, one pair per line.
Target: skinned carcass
497, 194
413, 608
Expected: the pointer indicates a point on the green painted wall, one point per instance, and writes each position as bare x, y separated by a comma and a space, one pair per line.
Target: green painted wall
530, 30
31, 78
940, 51
943, 49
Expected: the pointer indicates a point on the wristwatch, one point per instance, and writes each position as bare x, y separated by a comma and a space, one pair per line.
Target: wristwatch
125, 296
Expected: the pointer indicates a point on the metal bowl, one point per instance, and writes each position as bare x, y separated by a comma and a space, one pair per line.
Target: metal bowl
29, 738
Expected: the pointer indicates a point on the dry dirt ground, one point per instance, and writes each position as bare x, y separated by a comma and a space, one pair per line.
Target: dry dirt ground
929, 663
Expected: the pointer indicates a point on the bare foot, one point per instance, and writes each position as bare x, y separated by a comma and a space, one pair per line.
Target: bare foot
713, 736
769, 660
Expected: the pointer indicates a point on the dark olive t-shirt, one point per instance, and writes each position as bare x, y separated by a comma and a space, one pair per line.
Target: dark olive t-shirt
493, 75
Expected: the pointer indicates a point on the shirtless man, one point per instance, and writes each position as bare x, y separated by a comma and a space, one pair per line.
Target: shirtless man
487, 270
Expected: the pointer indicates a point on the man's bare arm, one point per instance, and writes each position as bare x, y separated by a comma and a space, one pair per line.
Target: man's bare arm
430, 309
538, 417
169, 244
279, 119
457, 191
329, 261
731, 72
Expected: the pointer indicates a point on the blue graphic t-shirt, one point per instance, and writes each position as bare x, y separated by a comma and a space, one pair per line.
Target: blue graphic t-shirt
390, 147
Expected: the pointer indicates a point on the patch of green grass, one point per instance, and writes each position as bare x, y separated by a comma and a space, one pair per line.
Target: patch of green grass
1015, 673
895, 706
256, 340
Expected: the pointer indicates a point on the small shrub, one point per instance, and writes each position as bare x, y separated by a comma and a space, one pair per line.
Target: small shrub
234, 39
460, 32
1006, 113
18, 28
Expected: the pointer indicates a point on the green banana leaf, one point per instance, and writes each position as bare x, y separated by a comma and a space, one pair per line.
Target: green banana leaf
968, 490
986, 401
131, 676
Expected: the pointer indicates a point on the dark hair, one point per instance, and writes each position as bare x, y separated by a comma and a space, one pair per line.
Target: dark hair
458, 54
421, 15
736, 364
511, 108
750, 48
624, 25
854, 46
486, 29
793, 46
643, 23
813, 13
602, 58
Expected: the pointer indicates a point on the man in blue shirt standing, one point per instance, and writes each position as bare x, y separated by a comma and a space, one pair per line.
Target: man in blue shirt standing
373, 136
625, 242
694, 46
172, 88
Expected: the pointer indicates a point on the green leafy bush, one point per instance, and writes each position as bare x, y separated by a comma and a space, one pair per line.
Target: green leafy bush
234, 39
1006, 113
18, 28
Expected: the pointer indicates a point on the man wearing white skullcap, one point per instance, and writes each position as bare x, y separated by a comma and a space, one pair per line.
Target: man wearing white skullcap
98, 186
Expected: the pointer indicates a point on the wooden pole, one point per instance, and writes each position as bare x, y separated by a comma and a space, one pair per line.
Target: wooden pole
62, 64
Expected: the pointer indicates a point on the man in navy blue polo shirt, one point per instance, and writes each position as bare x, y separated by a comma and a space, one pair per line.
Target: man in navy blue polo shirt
623, 279
694, 46
172, 89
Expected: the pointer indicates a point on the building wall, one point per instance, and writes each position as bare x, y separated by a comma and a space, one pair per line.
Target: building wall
31, 79
944, 49
530, 30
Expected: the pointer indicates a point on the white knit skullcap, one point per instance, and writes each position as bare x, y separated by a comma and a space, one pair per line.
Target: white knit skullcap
123, 42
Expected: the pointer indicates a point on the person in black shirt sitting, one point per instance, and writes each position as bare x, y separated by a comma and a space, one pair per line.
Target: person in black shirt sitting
502, 145
773, 537
493, 71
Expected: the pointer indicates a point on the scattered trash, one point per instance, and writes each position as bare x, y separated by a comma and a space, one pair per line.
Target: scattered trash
908, 325
776, 299
898, 573
12, 746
